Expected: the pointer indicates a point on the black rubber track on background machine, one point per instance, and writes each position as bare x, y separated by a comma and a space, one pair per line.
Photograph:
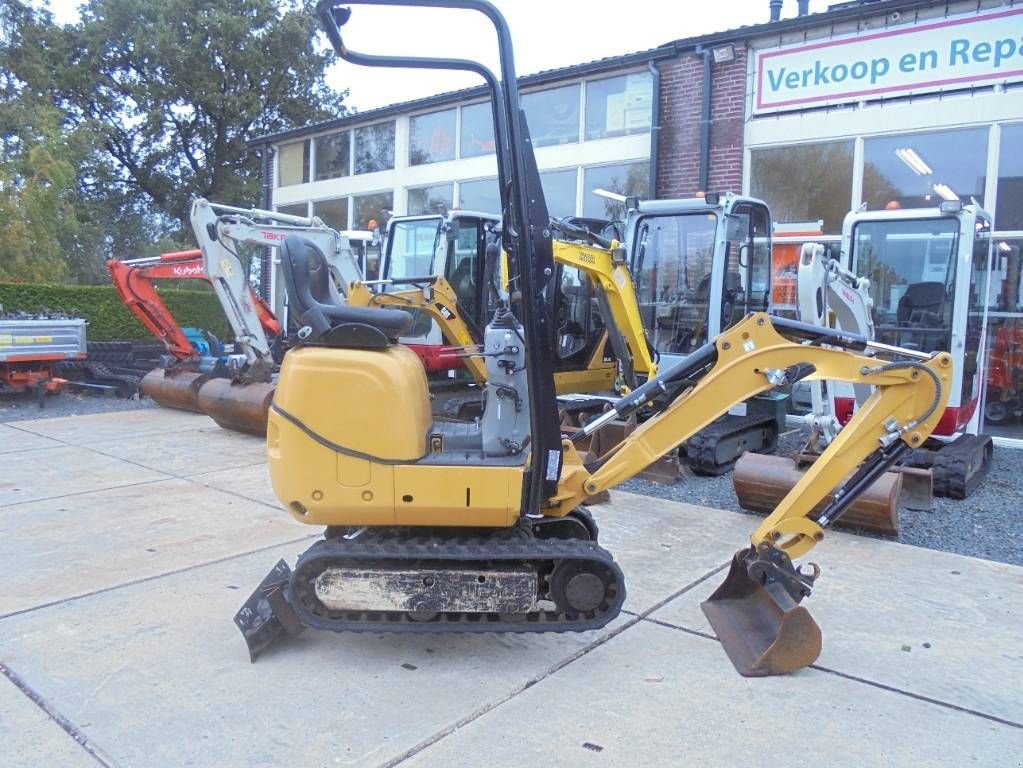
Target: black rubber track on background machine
702, 448
503, 547
959, 466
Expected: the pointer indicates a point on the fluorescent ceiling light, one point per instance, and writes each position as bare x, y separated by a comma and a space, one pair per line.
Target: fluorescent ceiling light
945, 192
914, 161
609, 195
1004, 247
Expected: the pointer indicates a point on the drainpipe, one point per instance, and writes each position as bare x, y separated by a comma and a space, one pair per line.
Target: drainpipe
266, 260
655, 125
705, 120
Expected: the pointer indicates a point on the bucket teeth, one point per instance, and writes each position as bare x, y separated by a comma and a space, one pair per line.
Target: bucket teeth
267, 615
760, 625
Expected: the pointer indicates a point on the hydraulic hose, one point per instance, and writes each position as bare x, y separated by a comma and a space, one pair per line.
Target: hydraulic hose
900, 365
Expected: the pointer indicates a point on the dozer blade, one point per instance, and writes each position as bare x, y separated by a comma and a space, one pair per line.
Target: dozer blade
241, 407
175, 389
762, 629
267, 614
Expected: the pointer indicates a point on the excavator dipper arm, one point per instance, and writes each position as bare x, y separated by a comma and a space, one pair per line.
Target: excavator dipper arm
607, 268
755, 611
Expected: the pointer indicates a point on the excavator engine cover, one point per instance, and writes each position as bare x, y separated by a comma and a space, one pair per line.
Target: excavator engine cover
762, 628
175, 389
237, 406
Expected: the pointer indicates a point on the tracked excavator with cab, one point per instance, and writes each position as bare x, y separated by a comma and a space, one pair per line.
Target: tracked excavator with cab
437, 527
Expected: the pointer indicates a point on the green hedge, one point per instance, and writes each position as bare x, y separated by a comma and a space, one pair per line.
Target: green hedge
109, 319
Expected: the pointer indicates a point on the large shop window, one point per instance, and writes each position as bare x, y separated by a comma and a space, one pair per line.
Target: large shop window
1009, 215
805, 182
559, 189
432, 137
482, 196
619, 106
553, 115
628, 179
1003, 397
374, 148
374, 208
294, 209
477, 130
919, 170
293, 163
333, 212
333, 155
435, 199
912, 270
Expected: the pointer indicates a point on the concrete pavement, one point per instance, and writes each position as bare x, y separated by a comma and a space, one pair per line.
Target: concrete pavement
129, 540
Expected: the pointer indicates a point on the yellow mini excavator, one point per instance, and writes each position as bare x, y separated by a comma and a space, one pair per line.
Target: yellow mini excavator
452, 527
598, 323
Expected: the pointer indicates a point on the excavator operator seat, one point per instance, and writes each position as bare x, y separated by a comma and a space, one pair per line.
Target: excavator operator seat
324, 320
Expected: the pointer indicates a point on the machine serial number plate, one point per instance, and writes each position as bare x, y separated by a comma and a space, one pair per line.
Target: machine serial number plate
509, 590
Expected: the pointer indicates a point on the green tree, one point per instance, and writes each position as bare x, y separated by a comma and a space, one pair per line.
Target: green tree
158, 100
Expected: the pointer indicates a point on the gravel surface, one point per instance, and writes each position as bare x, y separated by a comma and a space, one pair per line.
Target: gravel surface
988, 525
18, 407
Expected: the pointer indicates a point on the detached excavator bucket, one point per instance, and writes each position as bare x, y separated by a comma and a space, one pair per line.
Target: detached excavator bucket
762, 481
175, 389
762, 629
237, 406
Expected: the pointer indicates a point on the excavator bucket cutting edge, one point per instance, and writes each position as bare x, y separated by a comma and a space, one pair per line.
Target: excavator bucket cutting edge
175, 389
241, 407
762, 629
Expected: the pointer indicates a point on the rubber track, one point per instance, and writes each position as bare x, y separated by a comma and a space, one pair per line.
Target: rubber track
701, 448
484, 551
960, 466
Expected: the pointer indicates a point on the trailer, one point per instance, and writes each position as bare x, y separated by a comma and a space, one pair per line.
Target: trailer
31, 347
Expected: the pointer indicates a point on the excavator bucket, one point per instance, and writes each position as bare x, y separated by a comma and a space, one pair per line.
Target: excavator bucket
175, 389
762, 629
762, 481
237, 406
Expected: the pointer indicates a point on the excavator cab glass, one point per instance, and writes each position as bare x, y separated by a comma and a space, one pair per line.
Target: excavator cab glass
747, 283
672, 265
412, 247
911, 264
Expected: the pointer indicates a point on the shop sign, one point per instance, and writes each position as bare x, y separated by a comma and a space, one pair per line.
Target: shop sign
981, 48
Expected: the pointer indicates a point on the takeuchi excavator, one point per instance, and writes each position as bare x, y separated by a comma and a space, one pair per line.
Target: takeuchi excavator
440, 527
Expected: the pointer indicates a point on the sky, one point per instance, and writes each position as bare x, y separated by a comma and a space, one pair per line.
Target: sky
546, 34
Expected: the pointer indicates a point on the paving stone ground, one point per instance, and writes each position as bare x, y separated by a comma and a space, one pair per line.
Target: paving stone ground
129, 540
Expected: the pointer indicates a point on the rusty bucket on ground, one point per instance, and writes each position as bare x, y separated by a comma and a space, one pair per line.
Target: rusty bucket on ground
237, 406
175, 389
761, 482
762, 628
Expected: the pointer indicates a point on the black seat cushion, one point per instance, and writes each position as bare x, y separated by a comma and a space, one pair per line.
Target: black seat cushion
307, 279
